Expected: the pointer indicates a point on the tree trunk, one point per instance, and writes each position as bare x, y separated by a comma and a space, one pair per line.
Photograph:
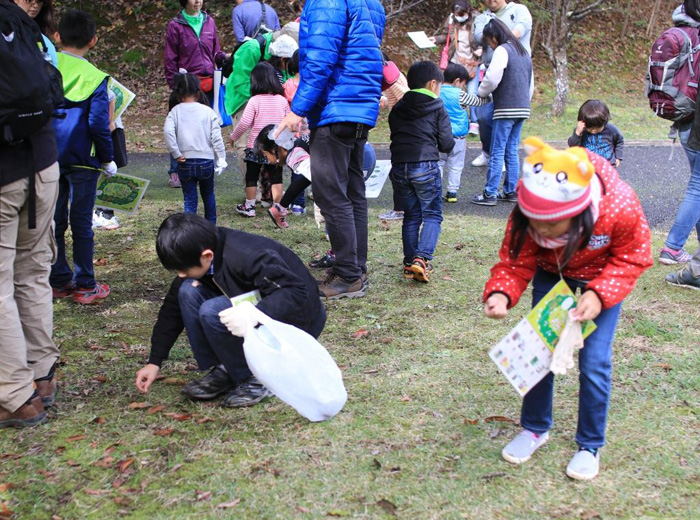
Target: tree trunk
561, 81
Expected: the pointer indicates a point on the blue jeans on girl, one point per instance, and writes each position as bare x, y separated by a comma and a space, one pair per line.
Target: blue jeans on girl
473, 88
595, 365
76, 199
688, 215
191, 173
419, 187
505, 139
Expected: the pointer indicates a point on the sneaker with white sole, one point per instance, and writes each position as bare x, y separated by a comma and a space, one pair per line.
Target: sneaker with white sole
473, 128
481, 160
670, 256
391, 215
245, 210
521, 448
584, 465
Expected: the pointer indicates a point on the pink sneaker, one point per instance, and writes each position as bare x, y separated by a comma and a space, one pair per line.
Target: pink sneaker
278, 214
670, 256
90, 296
174, 181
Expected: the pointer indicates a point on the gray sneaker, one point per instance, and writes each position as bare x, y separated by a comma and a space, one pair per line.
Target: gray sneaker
521, 448
683, 278
584, 465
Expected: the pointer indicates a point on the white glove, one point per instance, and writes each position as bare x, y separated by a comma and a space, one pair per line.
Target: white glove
182, 71
221, 165
109, 168
241, 318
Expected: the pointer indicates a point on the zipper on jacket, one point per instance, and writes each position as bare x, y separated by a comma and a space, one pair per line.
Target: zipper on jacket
219, 287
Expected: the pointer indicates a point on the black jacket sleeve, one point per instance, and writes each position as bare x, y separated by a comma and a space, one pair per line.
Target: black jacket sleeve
618, 143
168, 326
445, 140
575, 140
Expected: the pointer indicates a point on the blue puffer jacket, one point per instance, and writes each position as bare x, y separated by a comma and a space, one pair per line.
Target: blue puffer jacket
458, 116
340, 62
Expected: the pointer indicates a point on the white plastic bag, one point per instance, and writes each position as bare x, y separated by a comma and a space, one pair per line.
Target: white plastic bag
570, 340
296, 368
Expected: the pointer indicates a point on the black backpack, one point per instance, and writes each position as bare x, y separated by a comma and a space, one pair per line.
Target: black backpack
30, 87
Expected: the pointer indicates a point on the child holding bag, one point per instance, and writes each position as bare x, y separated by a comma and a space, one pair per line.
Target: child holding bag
193, 138
576, 220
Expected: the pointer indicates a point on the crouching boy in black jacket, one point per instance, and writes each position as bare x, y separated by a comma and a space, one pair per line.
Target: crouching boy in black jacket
213, 265
420, 130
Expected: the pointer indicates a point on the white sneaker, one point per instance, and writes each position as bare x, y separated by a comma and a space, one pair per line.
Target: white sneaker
584, 465
521, 448
481, 160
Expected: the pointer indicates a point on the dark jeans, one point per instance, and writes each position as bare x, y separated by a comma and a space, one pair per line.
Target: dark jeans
339, 187
419, 186
191, 173
595, 365
76, 199
212, 344
485, 117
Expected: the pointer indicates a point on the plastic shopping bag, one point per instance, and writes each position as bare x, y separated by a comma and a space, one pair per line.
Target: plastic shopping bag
571, 339
296, 368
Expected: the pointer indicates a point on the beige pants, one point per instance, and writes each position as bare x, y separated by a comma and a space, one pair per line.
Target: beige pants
27, 350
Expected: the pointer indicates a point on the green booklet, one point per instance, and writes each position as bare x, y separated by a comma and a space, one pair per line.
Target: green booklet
120, 192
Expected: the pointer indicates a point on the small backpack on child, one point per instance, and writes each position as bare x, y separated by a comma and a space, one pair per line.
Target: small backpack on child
673, 73
30, 86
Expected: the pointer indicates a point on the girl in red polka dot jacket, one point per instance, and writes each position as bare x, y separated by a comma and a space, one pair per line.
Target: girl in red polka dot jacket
576, 219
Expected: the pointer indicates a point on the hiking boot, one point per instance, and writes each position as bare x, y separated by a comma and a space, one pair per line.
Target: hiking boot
391, 215
278, 214
326, 261
584, 465
451, 196
521, 448
85, 296
507, 197
215, 383
245, 210
174, 181
64, 291
683, 278
484, 200
334, 287
298, 210
46, 388
473, 128
250, 392
365, 281
29, 414
481, 160
670, 256
421, 269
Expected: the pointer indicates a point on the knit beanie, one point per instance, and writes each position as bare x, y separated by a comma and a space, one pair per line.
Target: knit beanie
283, 47
556, 184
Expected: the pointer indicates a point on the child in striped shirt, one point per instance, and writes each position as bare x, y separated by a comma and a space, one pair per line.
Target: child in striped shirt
267, 106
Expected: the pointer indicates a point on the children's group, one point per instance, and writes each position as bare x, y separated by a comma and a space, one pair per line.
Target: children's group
304, 97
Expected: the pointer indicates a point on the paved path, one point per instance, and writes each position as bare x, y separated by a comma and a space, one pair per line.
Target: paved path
659, 179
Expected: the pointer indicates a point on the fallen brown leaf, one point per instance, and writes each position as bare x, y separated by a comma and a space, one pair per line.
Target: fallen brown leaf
137, 406
359, 333
118, 482
406, 398
471, 421
448, 278
175, 468
178, 416
174, 381
589, 515
499, 418
204, 420
73, 464
229, 505
165, 432
302, 509
99, 420
94, 491
5, 511
76, 438
105, 462
100, 378
203, 495
5, 486
665, 366
156, 409
124, 464
387, 506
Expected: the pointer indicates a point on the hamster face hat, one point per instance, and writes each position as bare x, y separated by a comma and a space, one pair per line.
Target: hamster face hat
556, 184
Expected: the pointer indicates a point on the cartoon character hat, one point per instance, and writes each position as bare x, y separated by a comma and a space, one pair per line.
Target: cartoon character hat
556, 184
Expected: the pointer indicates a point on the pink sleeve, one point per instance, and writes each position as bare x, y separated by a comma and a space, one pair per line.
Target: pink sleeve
246, 122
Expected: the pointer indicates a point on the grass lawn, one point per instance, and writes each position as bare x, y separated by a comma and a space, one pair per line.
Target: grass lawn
417, 438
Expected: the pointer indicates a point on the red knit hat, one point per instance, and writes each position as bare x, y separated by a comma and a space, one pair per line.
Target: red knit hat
556, 184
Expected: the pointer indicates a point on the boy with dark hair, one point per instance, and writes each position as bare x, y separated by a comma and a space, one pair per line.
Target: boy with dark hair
213, 265
85, 150
456, 101
420, 130
594, 132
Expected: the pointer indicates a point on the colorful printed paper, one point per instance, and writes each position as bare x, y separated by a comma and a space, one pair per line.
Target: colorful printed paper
120, 192
525, 353
252, 297
123, 98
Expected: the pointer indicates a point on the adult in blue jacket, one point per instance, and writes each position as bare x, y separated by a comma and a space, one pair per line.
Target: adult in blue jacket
340, 64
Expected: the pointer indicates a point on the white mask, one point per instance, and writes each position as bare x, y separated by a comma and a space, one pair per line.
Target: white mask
462, 19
